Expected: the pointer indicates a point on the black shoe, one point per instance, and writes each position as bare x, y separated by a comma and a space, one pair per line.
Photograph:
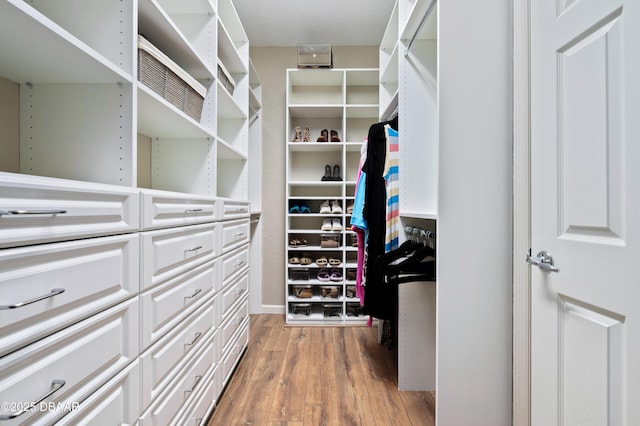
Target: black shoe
336, 173
327, 173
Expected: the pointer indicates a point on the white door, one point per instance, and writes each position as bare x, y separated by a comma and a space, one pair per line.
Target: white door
585, 174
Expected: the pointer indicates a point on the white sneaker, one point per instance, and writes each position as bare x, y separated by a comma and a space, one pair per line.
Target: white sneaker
335, 207
336, 225
326, 225
325, 208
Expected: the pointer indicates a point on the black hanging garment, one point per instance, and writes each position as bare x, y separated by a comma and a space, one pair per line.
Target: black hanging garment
380, 301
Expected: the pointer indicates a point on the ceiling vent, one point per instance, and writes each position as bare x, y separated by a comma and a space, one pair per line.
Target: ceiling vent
315, 56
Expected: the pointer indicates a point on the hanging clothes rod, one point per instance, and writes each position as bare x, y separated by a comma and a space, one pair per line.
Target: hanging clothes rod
422, 22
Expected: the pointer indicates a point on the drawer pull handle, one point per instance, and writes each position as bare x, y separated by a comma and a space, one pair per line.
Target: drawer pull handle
54, 292
194, 385
238, 210
239, 235
198, 334
194, 249
24, 212
57, 384
239, 292
193, 210
195, 293
240, 264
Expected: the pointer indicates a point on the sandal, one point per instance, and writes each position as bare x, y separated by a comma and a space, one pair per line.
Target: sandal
297, 243
323, 275
322, 261
304, 208
294, 209
333, 261
294, 260
305, 259
336, 275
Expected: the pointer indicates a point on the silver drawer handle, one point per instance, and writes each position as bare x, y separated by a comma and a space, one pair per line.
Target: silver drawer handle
194, 249
239, 292
240, 264
198, 334
194, 385
25, 212
193, 210
198, 290
238, 210
57, 384
239, 235
54, 292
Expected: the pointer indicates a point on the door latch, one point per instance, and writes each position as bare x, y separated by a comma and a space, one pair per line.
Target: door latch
542, 260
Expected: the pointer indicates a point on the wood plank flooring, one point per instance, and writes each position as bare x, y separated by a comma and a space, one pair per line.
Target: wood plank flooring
293, 375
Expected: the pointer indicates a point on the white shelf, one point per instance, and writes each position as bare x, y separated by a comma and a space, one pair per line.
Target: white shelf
344, 100
34, 44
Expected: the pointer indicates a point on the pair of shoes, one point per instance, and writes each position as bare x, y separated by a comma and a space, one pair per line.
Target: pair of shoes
294, 242
300, 207
324, 136
303, 292
301, 136
330, 175
331, 225
331, 291
330, 207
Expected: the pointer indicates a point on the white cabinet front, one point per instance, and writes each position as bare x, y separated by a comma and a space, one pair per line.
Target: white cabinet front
68, 366
44, 288
34, 209
163, 209
170, 252
234, 234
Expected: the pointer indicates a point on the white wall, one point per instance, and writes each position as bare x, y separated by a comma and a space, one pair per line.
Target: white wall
271, 64
9, 126
474, 217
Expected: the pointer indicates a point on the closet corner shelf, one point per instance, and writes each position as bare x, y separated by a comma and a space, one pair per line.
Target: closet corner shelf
418, 215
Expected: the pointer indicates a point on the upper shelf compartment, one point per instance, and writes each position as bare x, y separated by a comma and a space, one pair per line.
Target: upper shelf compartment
30, 38
181, 36
422, 23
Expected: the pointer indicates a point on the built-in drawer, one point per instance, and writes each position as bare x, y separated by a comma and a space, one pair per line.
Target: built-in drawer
36, 209
232, 209
235, 321
115, 403
204, 401
235, 291
167, 253
69, 365
177, 394
167, 305
233, 354
44, 288
234, 234
162, 209
234, 262
165, 359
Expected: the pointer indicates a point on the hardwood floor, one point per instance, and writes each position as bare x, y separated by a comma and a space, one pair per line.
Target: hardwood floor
292, 375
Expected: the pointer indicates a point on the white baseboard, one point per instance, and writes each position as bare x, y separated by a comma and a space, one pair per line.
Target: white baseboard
273, 309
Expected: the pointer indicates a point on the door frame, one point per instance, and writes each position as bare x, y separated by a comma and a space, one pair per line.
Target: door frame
521, 215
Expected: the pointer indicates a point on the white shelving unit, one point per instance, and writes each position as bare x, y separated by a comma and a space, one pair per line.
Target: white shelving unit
125, 191
408, 85
344, 100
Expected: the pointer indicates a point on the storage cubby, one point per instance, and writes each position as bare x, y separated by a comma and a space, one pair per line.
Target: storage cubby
321, 174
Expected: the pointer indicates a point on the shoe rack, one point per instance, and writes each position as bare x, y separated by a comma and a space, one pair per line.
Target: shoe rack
329, 112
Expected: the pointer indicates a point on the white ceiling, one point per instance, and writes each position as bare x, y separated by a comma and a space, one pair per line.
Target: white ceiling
293, 22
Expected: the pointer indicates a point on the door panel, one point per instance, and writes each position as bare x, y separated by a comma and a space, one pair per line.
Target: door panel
585, 201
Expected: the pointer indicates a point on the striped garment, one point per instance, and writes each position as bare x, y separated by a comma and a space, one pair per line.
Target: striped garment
390, 174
